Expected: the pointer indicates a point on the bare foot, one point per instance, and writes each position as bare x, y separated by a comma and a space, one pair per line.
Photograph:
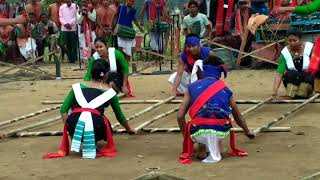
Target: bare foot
2, 135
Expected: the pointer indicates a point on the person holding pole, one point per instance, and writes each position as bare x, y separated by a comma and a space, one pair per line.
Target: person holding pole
210, 103
313, 68
86, 124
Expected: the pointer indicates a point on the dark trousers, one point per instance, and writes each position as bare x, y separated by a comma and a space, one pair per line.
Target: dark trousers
71, 42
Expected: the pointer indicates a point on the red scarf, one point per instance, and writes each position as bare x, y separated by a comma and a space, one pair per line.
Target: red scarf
108, 151
222, 23
184, 158
242, 27
153, 10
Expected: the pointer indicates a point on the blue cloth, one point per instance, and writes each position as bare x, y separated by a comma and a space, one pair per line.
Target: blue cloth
211, 71
193, 41
126, 18
205, 51
217, 106
260, 8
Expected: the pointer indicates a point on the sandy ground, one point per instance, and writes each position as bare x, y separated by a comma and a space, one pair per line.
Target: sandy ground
281, 155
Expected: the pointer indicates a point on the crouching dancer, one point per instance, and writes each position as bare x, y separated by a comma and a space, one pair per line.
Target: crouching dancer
210, 102
86, 124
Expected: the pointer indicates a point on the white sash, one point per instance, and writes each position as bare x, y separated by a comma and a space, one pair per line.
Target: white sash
306, 57
197, 65
86, 117
112, 59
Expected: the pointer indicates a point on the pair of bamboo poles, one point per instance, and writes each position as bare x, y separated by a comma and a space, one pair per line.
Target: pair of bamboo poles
18, 132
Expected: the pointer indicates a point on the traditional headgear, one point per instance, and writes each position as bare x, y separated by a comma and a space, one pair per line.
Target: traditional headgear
214, 71
193, 41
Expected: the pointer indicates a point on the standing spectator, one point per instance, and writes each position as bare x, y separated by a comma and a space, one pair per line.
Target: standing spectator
105, 17
36, 8
86, 20
209, 8
196, 23
68, 20
125, 17
53, 11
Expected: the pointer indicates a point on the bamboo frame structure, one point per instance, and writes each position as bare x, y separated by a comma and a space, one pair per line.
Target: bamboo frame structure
38, 124
236, 50
257, 50
141, 126
146, 110
177, 101
26, 63
145, 130
20, 118
259, 129
257, 105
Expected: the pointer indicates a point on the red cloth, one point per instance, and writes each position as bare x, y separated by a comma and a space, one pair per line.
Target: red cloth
184, 158
222, 20
108, 150
315, 59
153, 10
130, 93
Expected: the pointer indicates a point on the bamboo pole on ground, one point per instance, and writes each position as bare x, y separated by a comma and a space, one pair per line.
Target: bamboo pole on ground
146, 110
155, 119
146, 130
20, 118
23, 64
236, 50
149, 101
176, 129
259, 129
157, 54
38, 124
257, 105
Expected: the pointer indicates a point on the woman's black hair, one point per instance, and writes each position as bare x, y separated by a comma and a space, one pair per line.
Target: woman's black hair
100, 39
294, 31
100, 67
193, 2
213, 60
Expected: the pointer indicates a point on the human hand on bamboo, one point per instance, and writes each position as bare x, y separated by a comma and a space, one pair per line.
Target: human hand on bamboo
125, 89
131, 132
250, 135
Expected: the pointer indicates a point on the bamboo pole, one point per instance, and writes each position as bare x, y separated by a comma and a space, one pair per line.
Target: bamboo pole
157, 54
146, 130
176, 129
14, 66
257, 50
23, 64
236, 50
155, 119
146, 110
29, 115
38, 124
259, 129
177, 101
257, 105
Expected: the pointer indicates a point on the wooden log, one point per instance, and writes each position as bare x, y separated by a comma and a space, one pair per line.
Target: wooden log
38, 124
177, 101
236, 50
257, 105
146, 110
155, 119
146, 130
259, 129
20, 118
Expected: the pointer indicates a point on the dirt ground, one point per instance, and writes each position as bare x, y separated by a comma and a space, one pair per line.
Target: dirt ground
279, 155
